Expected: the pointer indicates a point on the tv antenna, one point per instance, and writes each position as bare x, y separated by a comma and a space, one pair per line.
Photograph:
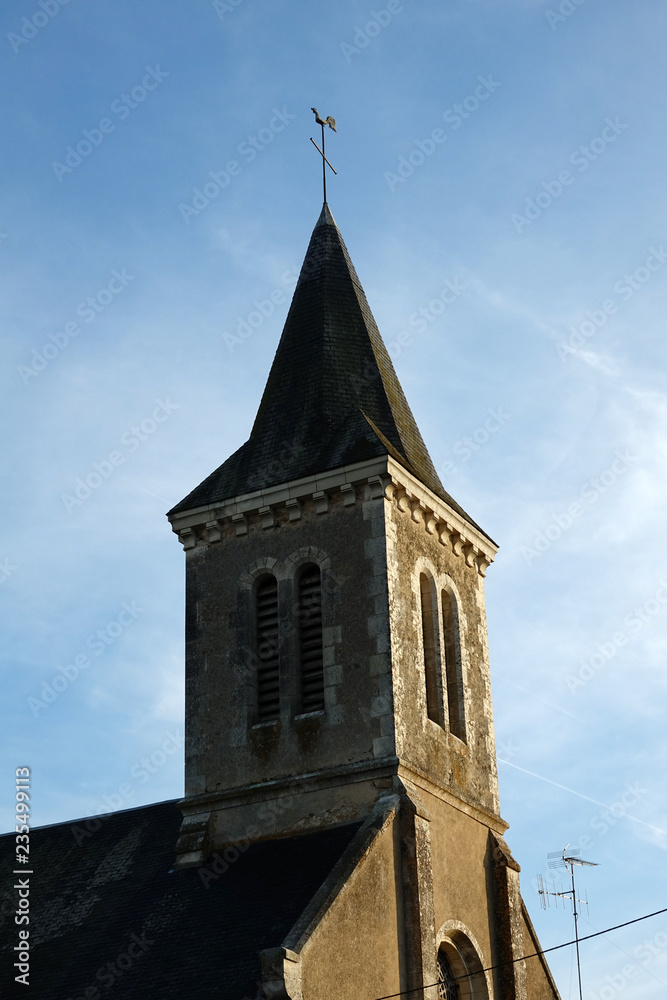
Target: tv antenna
331, 122
566, 859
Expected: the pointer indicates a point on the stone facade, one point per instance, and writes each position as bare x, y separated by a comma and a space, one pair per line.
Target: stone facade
429, 868
400, 742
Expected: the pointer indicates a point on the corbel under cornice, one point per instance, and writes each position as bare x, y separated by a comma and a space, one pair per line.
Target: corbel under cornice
363, 481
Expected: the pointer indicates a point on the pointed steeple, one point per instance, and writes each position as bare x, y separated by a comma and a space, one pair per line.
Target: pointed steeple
332, 397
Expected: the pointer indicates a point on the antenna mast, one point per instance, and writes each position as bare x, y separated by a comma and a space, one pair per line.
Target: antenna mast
567, 858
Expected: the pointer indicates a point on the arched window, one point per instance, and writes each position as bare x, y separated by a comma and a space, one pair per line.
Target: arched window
453, 672
448, 988
311, 659
460, 972
434, 707
266, 649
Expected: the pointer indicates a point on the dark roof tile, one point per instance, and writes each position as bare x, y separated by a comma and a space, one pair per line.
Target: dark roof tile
94, 895
332, 397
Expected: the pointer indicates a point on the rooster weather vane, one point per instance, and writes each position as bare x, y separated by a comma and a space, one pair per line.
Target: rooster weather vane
331, 122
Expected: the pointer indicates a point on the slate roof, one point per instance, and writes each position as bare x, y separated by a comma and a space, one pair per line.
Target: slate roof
112, 890
332, 397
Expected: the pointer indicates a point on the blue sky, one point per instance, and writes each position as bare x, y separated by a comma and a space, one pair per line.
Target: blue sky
514, 150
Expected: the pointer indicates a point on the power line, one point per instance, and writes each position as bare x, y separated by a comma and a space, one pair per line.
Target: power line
638, 964
535, 954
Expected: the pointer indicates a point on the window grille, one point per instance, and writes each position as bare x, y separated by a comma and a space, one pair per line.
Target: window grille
311, 660
266, 638
448, 988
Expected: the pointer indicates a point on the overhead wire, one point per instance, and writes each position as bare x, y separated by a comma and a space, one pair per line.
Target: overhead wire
638, 964
523, 958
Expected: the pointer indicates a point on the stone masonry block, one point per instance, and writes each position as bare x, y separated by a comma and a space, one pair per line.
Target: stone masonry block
383, 746
385, 685
335, 716
378, 624
331, 635
387, 725
379, 706
379, 664
383, 642
374, 546
333, 674
329, 656
377, 585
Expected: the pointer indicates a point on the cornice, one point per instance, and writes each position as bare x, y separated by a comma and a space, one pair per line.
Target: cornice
203, 524
439, 519
417, 777
382, 478
312, 781
309, 781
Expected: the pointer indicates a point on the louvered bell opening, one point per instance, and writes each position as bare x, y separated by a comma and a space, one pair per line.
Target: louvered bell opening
310, 640
268, 674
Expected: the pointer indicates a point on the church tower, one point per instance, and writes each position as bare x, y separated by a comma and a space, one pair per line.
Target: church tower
337, 673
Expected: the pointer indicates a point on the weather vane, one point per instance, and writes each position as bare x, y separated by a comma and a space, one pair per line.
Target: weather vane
331, 122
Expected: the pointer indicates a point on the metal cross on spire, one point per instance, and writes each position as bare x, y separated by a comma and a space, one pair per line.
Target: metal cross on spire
331, 122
